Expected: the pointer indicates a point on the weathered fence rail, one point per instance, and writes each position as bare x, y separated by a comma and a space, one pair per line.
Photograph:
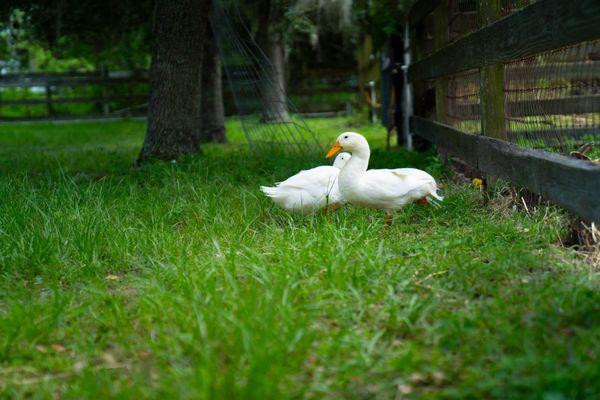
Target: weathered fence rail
543, 26
51, 88
524, 108
58, 89
571, 183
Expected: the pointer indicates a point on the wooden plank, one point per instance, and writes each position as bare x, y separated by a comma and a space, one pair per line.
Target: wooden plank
562, 106
419, 89
491, 81
49, 107
551, 136
20, 76
326, 72
324, 90
580, 70
531, 73
571, 183
527, 108
440, 38
61, 81
69, 117
105, 97
456, 142
420, 10
42, 76
462, 23
542, 26
73, 100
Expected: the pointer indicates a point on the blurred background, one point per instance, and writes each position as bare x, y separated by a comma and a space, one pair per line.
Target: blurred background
87, 59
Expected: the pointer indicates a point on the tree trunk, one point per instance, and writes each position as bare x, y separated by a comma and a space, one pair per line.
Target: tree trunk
273, 89
274, 93
213, 112
174, 123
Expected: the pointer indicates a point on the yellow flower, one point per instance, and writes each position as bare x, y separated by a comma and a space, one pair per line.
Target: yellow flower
477, 182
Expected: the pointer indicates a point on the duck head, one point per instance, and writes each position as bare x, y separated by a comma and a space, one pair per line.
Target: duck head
341, 160
352, 141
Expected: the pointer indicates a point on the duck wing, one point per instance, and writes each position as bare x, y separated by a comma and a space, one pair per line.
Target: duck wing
394, 183
317, 181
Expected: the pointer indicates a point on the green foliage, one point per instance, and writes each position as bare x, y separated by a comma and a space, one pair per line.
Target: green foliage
114, 34
381, 18
180, 280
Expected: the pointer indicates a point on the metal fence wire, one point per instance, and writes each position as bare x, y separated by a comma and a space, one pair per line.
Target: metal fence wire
269, 120
551, 100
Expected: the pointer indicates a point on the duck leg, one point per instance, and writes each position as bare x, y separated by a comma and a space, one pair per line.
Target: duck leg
329, 209
422, 201
388, 220
325, 213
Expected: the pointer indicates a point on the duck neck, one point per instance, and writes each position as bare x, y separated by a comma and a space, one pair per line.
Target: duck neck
358, 163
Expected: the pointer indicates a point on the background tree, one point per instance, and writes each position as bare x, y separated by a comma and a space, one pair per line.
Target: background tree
118, 34
213, 110
380, 19
180, 32
276, 25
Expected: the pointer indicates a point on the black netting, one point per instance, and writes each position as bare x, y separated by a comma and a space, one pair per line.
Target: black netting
551, 100
463, 101
269, 120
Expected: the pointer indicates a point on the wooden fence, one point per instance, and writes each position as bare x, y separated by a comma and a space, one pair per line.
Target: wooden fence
124, 93
542, 26
53, 86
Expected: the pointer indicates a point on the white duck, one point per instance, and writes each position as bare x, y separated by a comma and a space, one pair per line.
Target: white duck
311, 189
384, 189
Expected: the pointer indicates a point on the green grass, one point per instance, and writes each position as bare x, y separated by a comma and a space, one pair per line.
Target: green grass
180, 280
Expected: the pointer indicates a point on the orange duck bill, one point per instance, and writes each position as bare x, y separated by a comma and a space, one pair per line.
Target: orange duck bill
334, 149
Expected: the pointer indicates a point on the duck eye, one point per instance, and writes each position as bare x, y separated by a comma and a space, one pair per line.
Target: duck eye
346, 137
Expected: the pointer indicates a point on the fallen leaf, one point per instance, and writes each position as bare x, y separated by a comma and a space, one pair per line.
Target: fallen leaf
79, 366
109, 359
144, 353
416, 378
41, 348
438, 377
404, 388
111, 278
58, 348
311, 361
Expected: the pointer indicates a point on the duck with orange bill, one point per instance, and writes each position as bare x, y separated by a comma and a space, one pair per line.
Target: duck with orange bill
384, 189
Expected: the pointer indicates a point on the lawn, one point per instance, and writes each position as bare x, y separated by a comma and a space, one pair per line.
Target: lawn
180, 280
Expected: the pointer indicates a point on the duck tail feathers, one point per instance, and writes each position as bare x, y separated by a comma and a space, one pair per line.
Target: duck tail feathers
437, 196
269, 191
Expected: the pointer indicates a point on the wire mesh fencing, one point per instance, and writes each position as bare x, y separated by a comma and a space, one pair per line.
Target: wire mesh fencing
269, 120
551, 100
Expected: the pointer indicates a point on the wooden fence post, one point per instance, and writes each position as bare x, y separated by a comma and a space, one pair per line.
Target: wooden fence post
491, 79
440, 39
105, 100
49, 107
423, 102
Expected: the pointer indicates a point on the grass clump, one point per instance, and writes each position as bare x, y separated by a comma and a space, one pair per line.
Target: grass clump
181, 280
